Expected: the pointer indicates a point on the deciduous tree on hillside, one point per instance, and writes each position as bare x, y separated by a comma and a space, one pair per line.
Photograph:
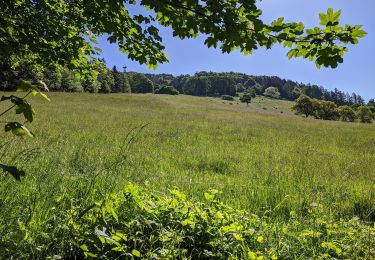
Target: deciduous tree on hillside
246, 98
272, 92
304, 105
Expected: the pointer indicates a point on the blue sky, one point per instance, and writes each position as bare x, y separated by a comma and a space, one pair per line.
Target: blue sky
356, 74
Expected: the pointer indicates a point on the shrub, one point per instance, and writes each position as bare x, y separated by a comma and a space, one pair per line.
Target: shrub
327, 110
227, 97
347, 113
364, 114
169, 90
246, 98
272, 92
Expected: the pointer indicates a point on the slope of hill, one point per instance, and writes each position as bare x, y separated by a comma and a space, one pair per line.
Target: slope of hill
261, 157
258, 155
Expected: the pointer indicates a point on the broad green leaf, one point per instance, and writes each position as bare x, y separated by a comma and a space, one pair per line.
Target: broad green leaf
18, 129
44, 96
23, 107
323, 19
359, 33
136, 253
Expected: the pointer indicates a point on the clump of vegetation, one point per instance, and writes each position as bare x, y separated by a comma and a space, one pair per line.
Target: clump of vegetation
304, 105
272, 92
364, 114
328, 110
347, 113
169, 90
141, 84
247, 96
137, 223
227, 97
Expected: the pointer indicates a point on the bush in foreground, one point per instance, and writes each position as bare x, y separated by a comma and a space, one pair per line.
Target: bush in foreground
138, 224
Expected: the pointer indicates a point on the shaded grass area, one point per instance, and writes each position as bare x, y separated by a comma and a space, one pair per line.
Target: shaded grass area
260, 159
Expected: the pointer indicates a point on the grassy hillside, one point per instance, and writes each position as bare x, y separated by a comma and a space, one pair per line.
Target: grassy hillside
260, 156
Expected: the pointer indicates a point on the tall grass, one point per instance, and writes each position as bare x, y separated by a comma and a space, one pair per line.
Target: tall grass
261, 156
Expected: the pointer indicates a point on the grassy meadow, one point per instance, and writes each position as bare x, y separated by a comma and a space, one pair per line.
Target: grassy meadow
258, 155
261, 157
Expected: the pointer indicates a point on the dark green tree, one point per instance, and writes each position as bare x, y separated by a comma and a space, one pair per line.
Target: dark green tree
121, 82
196, 86
371, 105
141, 84
246, 98
221, 85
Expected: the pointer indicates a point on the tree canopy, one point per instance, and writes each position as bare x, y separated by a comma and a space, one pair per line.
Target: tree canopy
60, 32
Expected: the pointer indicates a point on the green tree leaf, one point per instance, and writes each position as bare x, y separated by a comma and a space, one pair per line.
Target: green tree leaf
18, 129
136, 253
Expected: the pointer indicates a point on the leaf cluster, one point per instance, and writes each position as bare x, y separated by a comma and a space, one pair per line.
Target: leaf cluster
60, 32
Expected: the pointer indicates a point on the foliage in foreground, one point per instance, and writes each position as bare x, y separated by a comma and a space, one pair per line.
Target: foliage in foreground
137, 223
64, 32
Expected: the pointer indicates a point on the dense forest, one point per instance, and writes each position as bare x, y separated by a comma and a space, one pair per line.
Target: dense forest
100, 79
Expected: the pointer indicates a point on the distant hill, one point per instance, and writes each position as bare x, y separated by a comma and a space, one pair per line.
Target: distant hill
232, 83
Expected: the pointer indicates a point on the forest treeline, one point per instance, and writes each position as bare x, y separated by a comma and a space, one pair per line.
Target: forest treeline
232, 83
104, 80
